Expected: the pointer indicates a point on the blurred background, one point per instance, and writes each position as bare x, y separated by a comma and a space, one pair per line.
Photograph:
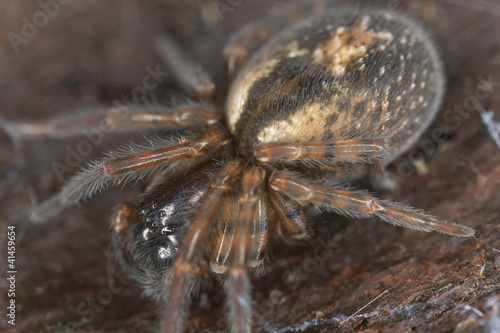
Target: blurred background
353, 275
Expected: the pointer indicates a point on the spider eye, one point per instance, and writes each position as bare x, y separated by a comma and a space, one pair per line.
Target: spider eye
167, 230
151, 224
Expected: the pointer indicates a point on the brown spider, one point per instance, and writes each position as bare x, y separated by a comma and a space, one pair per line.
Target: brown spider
317, 104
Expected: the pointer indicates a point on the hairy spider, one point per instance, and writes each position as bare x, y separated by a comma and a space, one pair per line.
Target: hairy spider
315, 106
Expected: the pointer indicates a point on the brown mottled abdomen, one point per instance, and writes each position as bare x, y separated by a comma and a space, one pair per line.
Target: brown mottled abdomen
340, 75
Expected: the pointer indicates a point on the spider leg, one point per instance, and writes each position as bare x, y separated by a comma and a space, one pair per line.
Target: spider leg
293, 222
195, 235
122, 118
239, 287
219, 262
260, 232
251, 37
246, 41
191, 77
120, 167
224, 236
361, 205
348, 151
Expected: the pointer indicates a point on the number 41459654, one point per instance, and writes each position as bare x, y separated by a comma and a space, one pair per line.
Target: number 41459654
11, 247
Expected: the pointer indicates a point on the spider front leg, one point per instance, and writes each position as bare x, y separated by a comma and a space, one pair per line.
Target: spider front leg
361, 205
128, 164
191, 246
239, 287
228, 225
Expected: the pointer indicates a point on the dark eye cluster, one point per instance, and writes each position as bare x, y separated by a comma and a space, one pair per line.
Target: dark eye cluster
157, 230
157, 235
159, 221
162, 222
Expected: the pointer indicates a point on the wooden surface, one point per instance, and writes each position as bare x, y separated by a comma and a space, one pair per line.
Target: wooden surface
354, 275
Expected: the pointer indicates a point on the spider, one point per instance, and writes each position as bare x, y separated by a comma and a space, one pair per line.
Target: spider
313, 106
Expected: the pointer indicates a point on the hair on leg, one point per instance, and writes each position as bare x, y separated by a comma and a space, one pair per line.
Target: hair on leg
122, 166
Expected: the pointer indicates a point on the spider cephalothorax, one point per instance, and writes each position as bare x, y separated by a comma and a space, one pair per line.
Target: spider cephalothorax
317, 104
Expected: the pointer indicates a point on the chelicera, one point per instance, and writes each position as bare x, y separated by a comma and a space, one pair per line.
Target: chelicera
317, 105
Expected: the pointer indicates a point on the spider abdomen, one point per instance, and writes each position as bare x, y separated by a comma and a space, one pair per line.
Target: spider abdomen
343, 74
